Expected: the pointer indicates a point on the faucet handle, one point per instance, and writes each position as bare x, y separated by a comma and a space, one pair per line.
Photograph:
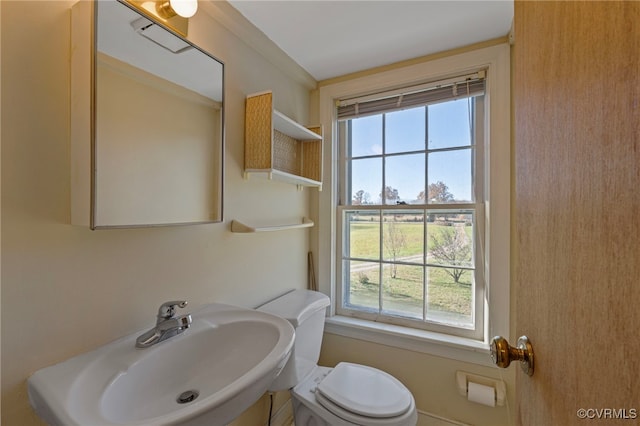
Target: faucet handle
168, 309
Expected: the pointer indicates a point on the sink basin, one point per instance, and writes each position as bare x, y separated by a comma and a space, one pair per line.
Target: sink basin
207, 375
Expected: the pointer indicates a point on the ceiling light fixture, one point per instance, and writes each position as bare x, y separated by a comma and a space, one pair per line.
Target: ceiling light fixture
174, 14
184, 8
160, 36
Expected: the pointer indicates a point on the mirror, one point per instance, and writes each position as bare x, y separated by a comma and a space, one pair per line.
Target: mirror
158, 123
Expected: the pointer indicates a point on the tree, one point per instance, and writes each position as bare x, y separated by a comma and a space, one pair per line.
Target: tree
361, 198
452, 247
438, 192
391, 195
394, 242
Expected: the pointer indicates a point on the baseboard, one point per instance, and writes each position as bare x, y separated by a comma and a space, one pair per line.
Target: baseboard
430, 419
284, 417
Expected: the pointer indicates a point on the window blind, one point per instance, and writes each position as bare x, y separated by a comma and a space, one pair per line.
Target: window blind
414, 96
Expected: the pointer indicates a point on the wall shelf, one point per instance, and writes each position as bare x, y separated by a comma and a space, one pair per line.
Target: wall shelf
278, 148
239, 227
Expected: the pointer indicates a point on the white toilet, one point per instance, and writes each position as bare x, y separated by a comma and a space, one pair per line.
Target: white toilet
347, 395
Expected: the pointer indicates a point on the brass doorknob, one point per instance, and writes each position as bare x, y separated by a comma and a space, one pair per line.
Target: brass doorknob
502, 353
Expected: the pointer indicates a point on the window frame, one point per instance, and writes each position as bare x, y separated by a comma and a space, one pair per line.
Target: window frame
496, 219
344, 206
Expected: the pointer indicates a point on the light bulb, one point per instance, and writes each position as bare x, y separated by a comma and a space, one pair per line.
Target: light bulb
184, 8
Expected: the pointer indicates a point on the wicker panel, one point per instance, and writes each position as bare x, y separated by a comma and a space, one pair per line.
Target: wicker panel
268, 150
312, 157
257, 132
286, 153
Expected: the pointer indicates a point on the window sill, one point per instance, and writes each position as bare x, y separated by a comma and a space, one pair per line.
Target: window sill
445, 346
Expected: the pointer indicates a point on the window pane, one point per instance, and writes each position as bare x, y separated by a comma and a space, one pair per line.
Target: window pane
403, 290
450, 239
450, 296
362, 287
366, 181
404, 178
408, 252
363, 230
450, 176
366, 136
403, 238
404, 130
449, 124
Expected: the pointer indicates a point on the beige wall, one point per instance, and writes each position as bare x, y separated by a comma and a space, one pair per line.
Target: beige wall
66, 289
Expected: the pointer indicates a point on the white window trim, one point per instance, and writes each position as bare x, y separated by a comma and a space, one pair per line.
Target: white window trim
496, 59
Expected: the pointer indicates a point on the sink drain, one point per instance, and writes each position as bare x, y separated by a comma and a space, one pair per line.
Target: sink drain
187, 396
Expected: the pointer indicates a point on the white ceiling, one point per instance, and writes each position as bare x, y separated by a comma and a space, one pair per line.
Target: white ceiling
334, 38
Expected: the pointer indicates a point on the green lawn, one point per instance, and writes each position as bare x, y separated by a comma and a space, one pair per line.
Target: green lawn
405, 292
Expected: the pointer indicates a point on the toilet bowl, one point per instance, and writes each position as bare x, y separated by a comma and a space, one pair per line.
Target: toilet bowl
346, 395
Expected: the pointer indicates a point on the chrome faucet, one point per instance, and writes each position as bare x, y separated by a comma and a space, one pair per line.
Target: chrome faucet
167, 325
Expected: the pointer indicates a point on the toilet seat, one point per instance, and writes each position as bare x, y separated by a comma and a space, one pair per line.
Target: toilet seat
307, 405
353, 391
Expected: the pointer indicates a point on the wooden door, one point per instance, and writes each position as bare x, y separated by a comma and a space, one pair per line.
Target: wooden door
577, 148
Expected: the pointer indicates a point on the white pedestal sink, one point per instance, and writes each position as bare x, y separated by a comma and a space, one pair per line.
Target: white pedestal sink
207, 375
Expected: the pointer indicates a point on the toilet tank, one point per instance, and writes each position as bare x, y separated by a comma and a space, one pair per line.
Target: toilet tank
305, 310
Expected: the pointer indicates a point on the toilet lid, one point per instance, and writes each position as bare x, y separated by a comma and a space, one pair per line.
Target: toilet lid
365, 391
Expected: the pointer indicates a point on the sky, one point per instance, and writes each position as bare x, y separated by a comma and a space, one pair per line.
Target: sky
405, 131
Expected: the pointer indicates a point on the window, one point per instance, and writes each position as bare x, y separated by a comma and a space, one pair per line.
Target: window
410, 196
388, 257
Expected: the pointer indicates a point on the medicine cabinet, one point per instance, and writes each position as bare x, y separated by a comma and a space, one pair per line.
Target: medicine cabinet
147, 110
